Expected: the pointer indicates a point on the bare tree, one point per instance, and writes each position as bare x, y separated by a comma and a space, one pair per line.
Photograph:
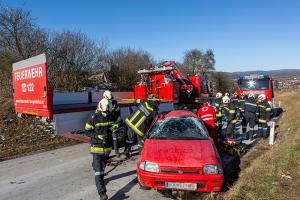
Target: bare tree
20, 35
192, 61
222, 82
20, 38
208, 62
198, 63
124, 63
72, 57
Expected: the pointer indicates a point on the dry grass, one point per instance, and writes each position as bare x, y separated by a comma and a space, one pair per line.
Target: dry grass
17, 136
275, 173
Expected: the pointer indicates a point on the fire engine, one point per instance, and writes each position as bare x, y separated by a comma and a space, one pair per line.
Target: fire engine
167, 83
257, 84
69, 110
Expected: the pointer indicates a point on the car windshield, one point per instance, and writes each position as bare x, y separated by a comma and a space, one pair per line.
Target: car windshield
178, 128
255, 84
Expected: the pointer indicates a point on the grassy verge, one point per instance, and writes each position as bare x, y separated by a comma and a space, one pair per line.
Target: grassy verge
19, 137
275, 174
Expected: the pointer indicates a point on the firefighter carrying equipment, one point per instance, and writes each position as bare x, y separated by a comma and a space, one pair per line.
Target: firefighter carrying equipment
143, 116
98, 129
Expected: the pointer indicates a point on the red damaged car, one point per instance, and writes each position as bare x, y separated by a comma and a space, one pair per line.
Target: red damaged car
178, 154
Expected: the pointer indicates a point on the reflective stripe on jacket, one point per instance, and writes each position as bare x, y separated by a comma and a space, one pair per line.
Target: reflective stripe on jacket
142, 117
98, 129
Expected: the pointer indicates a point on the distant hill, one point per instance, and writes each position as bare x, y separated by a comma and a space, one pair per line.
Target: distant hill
274, 73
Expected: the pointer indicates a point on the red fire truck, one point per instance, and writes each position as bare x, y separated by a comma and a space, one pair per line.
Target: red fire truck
257, 84
167, 83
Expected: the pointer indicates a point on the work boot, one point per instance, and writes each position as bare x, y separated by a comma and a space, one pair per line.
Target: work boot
103, 196
255, 134
251, 135
265, 134
117, 153
259, 133
127, 155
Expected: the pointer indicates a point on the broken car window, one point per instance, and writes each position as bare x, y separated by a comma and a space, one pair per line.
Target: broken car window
184, 128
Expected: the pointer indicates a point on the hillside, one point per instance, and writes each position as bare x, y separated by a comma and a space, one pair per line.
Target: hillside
274, 73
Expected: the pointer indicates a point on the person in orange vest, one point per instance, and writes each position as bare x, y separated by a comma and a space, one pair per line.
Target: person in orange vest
208, 115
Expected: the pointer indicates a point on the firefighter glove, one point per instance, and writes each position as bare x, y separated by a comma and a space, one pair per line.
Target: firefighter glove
101, 137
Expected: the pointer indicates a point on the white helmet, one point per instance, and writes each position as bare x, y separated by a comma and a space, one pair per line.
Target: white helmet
107, 95
219, 95
226, 100
251, 95
104, 105
262, 97
226, 94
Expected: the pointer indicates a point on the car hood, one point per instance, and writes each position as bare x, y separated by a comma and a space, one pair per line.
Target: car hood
180, 153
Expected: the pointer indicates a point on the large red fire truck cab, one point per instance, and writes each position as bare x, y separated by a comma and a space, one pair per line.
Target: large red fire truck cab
257, 84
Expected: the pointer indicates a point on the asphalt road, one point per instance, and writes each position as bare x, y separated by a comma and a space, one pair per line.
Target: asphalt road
67, 174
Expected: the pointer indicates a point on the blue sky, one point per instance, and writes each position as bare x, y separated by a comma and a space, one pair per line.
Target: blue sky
244, 34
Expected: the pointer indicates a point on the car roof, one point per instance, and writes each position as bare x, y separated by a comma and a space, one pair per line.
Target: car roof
178, 113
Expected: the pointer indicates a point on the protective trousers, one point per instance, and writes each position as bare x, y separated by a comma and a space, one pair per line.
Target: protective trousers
99, 163
262, 130
219, 123
130, 135
140, 139
244, 123
250, 119
115, 142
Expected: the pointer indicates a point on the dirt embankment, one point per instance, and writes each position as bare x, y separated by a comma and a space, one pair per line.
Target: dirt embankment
24, 136
273, 172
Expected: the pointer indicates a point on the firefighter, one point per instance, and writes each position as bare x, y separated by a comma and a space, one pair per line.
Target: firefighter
208, 116
264, 113
250, 116
98, 129
241, 112
218, 107
229, 112
235, 100
141, 119
115, 115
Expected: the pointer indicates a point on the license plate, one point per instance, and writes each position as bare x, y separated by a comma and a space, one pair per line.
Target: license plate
183, 186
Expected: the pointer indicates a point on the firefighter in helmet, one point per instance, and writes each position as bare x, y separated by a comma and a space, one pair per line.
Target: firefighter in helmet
140, 120
115, 115
229, 111
264, 113
98, 128
241, 111
250, 115
218, 107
